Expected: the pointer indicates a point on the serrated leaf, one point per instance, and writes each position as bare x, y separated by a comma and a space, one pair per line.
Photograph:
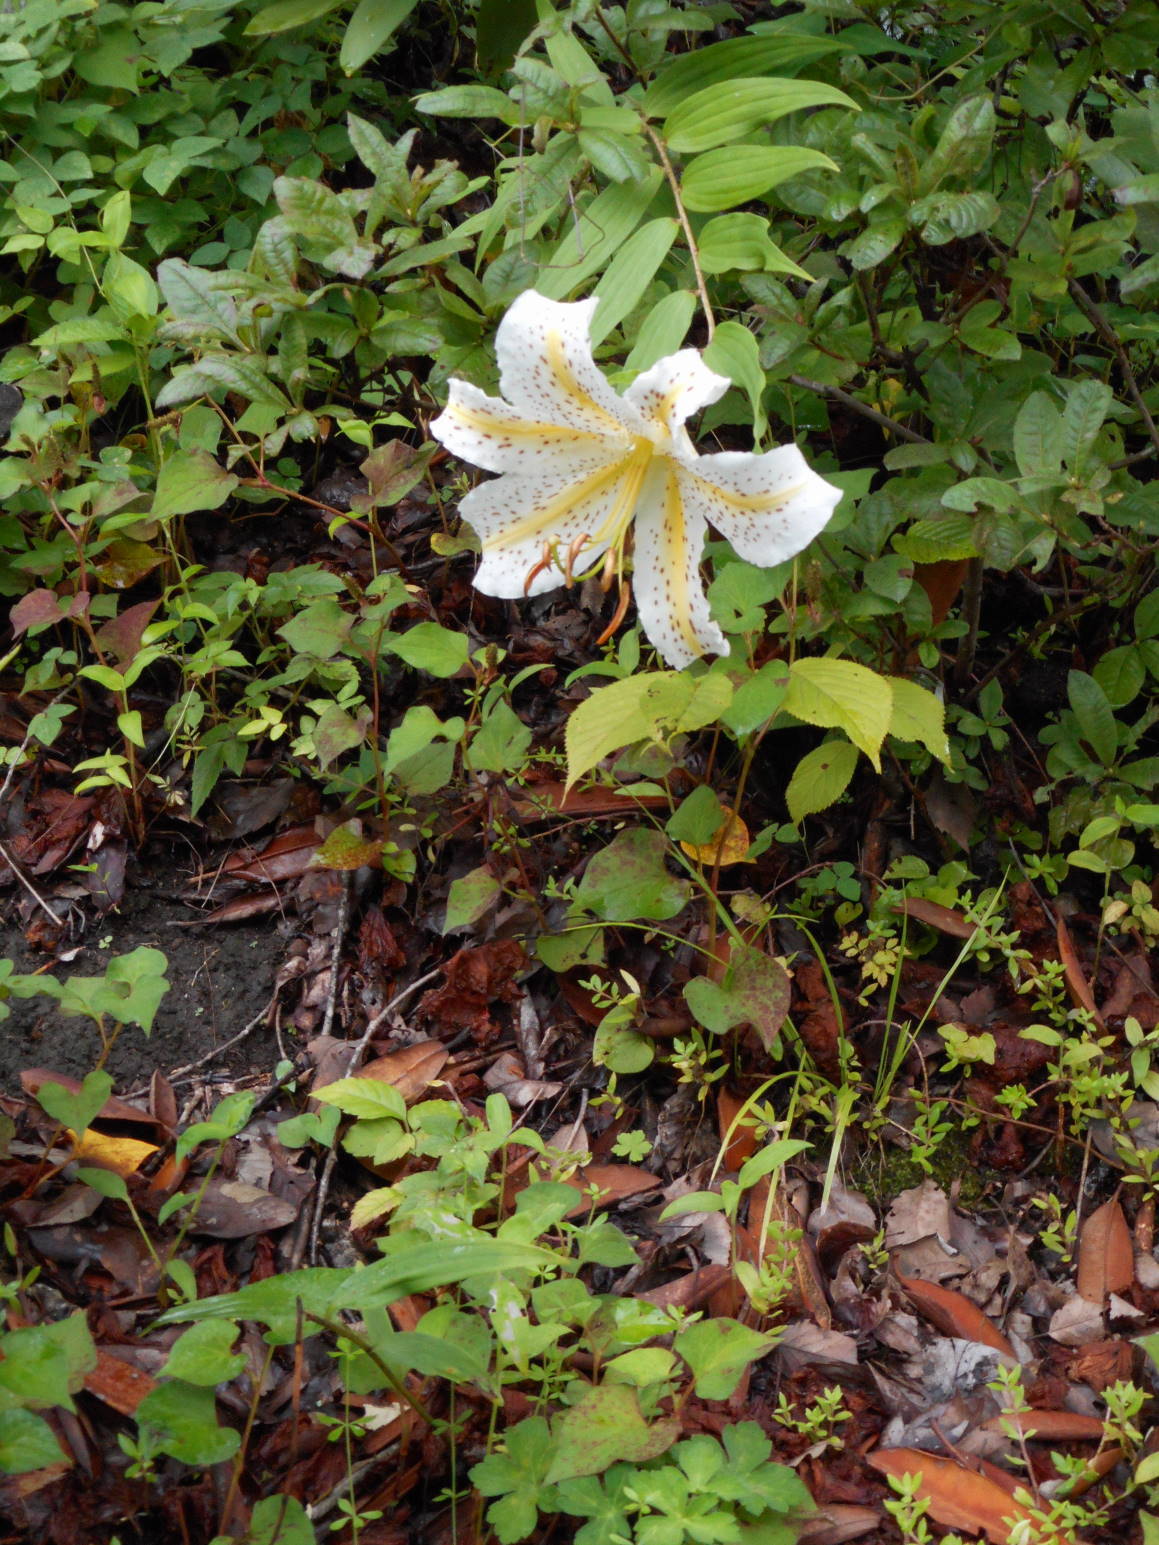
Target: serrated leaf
636, 708
876, 242
931, 541
720, 114
1087, 405
820, 778
840, 694
920, 715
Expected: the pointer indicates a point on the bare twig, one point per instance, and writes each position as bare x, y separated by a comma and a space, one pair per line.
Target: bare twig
851, 402
1094, 313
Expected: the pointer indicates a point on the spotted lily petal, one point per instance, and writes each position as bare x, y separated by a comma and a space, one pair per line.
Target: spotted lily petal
499, 438
520, 515
546, 369
670, 598
769, 507
673, 390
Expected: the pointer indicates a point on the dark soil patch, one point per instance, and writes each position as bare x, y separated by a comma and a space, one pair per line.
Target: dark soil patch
220, 977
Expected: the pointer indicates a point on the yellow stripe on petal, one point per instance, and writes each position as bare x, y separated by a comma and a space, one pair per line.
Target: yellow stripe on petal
545, 517
676, 559
567, 382
670, 599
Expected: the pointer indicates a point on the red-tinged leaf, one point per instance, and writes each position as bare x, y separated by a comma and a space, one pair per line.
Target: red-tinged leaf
944, 919
1050, 1426
125, 561
1076, 981
411, 1070
120, 1384
954, 1314
1106, 1259
40, 607
121, 635
958, 1498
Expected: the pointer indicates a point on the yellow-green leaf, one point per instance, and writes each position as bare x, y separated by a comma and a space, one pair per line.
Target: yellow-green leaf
918, 714
842, 695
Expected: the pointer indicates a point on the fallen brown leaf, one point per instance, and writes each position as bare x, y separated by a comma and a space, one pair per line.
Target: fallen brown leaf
119, 1384
1058, 1426
958, 1498
1106, 1261
411, 1069
613, 1182
954, 1314
1076, 981
944, 919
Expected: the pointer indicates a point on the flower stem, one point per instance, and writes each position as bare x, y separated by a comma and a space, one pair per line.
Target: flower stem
673, 181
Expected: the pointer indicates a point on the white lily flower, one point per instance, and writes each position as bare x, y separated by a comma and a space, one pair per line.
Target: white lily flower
578, 463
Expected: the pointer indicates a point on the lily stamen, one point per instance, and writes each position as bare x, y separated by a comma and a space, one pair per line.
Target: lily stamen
537, 569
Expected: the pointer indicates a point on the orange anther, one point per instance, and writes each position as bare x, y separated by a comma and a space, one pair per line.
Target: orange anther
621, 608
573, 553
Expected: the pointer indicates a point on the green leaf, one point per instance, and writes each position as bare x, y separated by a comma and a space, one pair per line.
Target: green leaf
756, 700
605, 1426
628, 881
964, 144
320, 631
945, 537
597, 235
663, 330
1095, 715
204, 1355
839, 694
27, 1443
330, 1290
76, 1110
722, 114
1038, 436
920, 715
284, 14
469, 102
755, 991
947, 217
1121, 673
279, 1521
190, 480
369, 1099
617, 157
734, 174
1087, 405
517, 1476
182, 1418
470, 897
197, 298
873, 245
718, 1351
621, 714
698, 819
735, 353
500, 27
222, 373
820, 778
741, 241
734, 59
628, 275
430, 647
370, 28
